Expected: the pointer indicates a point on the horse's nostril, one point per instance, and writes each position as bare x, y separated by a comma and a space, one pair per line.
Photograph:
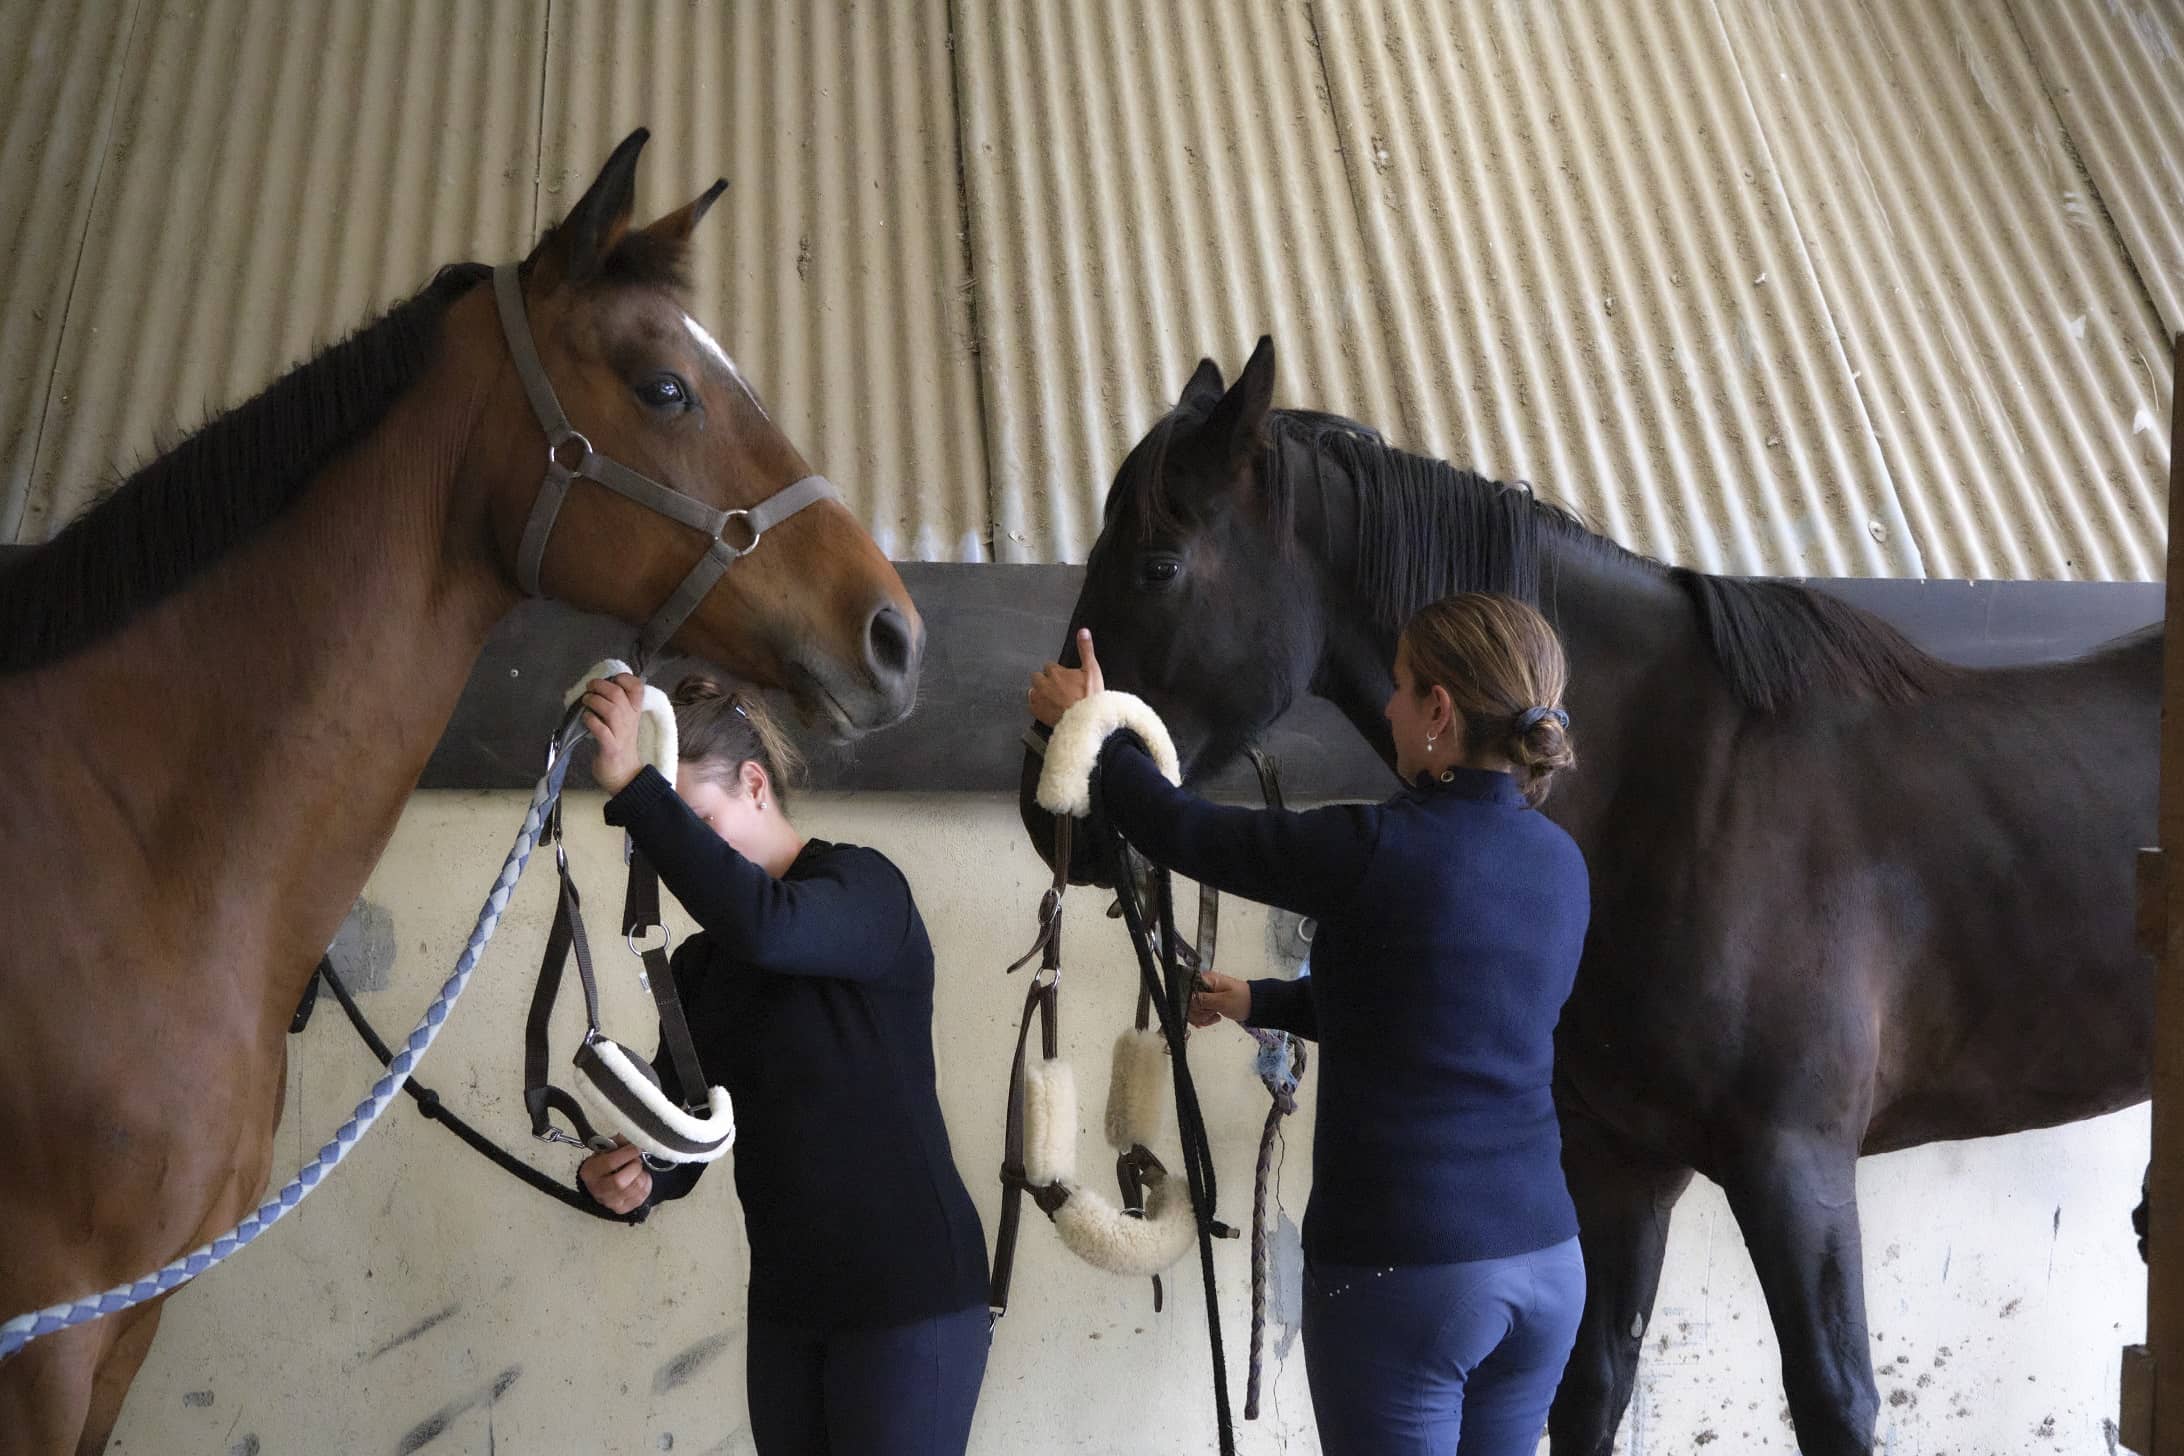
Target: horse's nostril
890, 647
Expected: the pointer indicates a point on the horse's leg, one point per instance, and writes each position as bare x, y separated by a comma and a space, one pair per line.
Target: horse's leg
45, 1393
1624, 1201
1795, 1197
132, 1340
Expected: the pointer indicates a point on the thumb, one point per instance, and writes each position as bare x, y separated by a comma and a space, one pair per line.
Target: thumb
1089, 660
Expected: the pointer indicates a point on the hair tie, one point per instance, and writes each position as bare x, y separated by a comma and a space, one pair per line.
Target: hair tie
1531, 718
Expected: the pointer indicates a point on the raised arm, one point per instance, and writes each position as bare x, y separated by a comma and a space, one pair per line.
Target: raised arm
846, 918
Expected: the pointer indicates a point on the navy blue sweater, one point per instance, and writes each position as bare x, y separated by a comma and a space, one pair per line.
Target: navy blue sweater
810, 998
1450, 922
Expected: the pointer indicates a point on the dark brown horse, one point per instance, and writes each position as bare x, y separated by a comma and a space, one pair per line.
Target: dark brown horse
1847, 898
218, 688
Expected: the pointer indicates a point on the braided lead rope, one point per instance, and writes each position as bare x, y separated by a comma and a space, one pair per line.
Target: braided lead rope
22, 1329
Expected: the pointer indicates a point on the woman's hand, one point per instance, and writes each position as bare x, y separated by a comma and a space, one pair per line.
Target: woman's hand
1218, 996
616, 1178
1056, 689
611, 711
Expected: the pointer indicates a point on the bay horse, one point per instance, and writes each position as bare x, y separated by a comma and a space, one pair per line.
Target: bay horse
219, 686
1846, 898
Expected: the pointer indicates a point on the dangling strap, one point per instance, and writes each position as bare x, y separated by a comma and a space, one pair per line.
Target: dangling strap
540, 1097
1039, 1000
1281, 1102
640, 915
1172, 987
434, 1110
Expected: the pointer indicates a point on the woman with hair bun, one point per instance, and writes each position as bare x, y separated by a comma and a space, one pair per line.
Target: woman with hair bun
1443, 1282
809, 991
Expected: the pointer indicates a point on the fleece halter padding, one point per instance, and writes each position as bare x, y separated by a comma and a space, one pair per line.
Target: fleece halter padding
1065, 782
1091, 1227
656, 740
715, 1133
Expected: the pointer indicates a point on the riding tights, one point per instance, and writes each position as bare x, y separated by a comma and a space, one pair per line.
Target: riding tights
1440, 1359
907, 1390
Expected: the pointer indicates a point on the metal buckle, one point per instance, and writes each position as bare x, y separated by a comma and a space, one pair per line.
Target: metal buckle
744, 517
629, 938
554, 448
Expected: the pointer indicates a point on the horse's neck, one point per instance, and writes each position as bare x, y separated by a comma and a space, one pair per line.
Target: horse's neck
253, 738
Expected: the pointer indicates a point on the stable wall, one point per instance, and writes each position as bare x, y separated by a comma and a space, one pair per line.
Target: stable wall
420, 1289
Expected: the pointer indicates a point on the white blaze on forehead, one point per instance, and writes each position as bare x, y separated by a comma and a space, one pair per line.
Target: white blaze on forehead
713, 350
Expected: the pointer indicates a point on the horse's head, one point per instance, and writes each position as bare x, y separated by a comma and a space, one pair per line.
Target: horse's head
815, 609
1198, 598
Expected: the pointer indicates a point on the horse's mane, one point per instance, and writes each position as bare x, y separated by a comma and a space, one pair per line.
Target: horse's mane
175, 516
1426, 529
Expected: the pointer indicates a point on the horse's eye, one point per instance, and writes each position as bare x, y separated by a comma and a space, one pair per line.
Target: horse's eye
663, 392
1159, 570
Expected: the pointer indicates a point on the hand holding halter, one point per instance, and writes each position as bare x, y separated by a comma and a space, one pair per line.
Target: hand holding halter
618, 1089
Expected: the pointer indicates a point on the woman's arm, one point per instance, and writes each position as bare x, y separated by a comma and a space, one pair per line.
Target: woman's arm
1285, 1006
1310, 863
846, 920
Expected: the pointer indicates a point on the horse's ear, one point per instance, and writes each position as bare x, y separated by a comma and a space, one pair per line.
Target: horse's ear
1204, 387
577, 245
676, 227
1238, 422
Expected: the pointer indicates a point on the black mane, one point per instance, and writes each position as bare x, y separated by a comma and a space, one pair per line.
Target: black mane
199, 500
1426, 529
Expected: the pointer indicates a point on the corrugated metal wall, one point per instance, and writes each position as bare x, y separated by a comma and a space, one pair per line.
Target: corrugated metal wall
1778, 286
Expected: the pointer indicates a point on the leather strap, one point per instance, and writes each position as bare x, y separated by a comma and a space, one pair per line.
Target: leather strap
1038, 1002
722, 554
434, 1110
640, 913
540, 1097
1169, 985
627, 1102
1039, 997
516, 325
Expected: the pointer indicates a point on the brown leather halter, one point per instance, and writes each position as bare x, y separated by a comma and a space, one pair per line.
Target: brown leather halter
563, 441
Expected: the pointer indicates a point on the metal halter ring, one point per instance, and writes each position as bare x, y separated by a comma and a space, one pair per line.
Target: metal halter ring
742, 518
629, 938
555, 447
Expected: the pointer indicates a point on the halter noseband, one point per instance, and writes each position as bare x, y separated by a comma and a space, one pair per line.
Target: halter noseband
563, 441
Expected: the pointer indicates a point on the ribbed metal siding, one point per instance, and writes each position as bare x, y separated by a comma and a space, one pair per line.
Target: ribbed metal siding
277, 174
1995, 329
1768, 287
1592, 281
1147, 184
2115, 72
59, 66
833, 269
